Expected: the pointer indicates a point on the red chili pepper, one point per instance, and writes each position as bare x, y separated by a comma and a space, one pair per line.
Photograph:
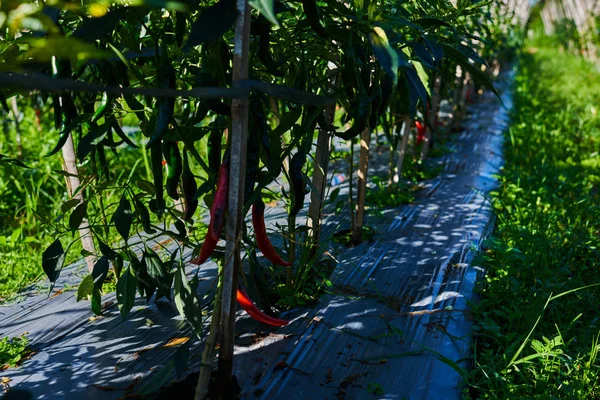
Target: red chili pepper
420, 131
217, 213
260, 232
247, 305
207, 247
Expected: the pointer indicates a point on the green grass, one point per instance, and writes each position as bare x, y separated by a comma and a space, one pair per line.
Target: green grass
13, 350
30, 206
538, 322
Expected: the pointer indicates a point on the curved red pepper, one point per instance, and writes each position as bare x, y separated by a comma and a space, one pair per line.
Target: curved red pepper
420, 131
207, 247
247, 305
217, 214
260, 232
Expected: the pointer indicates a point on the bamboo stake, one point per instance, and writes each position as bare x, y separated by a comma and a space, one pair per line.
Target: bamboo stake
17, 114
237, 165
402, 147
431, 117
209, 352
363, 166
70, 166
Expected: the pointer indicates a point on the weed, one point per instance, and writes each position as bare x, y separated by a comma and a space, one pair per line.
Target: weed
537, 324
13, 351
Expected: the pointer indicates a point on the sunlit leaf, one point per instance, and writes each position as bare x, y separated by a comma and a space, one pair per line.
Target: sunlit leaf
385, 54
122, 218
85, 288
52, 260
126, 287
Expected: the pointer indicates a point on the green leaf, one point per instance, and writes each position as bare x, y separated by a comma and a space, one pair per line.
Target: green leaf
93, 29
96, 301
77, 216
385, 54
157, 270
85, 288
62, 47
181, 358
69, 204
100, 271
145, 285
287, 122
286, 93
126, 287
144, 216
265, 7
89, 141
10, 160
429, 22
122, 218
187, 302
146, 186
106, 250
52, 260
212, 23
476, 73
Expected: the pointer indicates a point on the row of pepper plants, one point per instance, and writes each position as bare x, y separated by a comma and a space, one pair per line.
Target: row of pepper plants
231, 99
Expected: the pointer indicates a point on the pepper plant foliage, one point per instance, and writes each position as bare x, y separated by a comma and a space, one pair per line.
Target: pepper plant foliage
165, 67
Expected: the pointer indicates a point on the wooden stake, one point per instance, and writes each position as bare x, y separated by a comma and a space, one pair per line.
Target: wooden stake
363, 165
70, 166
209, 352
237, 165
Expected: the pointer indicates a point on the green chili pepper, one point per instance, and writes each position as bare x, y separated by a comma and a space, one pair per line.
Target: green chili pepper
174, 168
104, 106
297, 182
188, 183
117, 128
64, 108
166, 106
180, 27
156, 158
214, 149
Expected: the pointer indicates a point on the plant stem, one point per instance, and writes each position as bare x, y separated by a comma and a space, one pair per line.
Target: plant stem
208, 355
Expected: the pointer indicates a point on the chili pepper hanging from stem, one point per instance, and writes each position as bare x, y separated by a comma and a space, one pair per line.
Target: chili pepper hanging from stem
260, 233
217, 214
174, 168
247, 305
297, 181
166, 105
188, 183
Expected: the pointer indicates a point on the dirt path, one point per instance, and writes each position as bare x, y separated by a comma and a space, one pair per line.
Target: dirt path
395, 325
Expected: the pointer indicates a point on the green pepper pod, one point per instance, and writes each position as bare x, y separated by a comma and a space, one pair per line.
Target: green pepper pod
166, 106
174, 168
297, 182
188, 183
104, 107
156, 158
